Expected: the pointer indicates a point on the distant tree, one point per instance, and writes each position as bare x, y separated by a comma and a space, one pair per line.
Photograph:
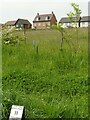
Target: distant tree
59, 27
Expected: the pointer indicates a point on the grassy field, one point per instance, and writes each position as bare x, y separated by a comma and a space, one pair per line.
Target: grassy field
51, 83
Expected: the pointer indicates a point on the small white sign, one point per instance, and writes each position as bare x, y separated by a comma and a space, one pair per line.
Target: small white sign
16, 112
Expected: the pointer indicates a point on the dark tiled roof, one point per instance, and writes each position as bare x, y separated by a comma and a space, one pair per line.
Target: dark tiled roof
24, 21
85, 19
10, 23
67, 20
44, 17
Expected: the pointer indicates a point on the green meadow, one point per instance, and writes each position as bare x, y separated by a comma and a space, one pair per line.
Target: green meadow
49, 82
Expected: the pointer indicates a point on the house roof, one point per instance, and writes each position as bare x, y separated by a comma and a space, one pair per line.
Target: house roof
0, 26
43, 17
10, 23
23, 21
66, 20
85, 19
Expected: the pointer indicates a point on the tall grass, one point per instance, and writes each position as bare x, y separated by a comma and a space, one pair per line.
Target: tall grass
52, 84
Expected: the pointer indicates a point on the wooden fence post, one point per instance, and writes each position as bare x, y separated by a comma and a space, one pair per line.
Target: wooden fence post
37, 47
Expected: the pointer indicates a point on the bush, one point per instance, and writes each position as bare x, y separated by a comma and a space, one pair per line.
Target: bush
11, 38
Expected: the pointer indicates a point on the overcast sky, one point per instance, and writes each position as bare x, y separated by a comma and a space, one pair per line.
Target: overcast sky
27, 9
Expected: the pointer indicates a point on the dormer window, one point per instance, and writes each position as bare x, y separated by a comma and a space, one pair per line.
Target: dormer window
47, 18
38, 18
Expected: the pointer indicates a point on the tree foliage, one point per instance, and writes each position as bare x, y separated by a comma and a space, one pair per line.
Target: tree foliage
75, 13
59, 27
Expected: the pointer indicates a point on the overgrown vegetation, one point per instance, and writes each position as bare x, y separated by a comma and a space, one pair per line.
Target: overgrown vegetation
50, 84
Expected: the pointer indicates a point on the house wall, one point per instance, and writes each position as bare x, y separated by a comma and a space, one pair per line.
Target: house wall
84, 24
75, 24
53, 20
27, 26
42, 25
66, 25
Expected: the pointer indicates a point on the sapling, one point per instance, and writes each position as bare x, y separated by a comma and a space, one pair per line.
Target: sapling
59, 27
74, 16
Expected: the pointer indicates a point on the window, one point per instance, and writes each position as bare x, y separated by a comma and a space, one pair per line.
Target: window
38, 18
39, 24
48, 23
47, 18
83, 23
35, 24
21, 25
43, 24
17, 25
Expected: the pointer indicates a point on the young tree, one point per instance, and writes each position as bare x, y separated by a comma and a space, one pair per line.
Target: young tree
60, 28
74, 16
75, 13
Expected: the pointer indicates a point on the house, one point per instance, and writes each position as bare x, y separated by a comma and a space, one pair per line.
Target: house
23, 23
67, 23
1, 26
20, 23
10, 24
44, 21
85, 21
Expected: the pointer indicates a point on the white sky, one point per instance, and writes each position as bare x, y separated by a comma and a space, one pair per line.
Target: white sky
27, 9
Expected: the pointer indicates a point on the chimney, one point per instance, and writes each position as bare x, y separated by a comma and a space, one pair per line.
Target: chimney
37, 13
52, 12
